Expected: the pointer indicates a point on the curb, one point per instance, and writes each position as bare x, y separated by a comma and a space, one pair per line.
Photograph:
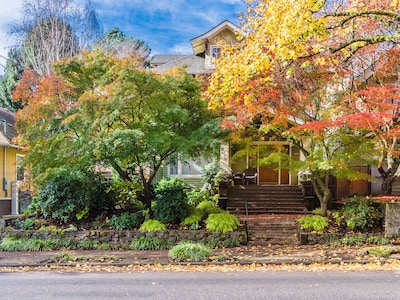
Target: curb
170, 263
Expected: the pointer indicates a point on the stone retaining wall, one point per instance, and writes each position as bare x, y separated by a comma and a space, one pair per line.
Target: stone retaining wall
126, 236
392, 220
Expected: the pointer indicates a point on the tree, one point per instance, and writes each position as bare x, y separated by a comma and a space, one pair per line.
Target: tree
99, 109
289, 75
9, 80
374, 112
54, 29
120, 45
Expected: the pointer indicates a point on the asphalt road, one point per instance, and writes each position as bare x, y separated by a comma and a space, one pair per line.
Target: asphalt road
207, 285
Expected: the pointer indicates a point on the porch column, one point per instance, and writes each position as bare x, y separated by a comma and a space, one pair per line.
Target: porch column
14, 199
224, 157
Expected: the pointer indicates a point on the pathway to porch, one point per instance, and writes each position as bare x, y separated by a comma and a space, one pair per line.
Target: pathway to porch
269, 212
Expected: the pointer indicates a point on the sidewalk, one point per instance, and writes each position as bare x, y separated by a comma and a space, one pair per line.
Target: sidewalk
274, 254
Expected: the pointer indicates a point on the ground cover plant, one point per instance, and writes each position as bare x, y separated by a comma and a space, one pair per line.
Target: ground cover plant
187, 251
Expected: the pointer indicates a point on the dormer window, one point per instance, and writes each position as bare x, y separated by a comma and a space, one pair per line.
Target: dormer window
215, 51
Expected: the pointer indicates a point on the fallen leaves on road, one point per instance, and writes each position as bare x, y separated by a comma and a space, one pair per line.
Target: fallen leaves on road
390, 265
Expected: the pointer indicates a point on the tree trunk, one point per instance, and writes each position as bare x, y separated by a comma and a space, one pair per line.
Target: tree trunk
321, 189
387, 184
147, 193
388, 178
324, 203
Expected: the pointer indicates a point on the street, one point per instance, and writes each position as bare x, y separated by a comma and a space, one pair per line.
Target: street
205, 285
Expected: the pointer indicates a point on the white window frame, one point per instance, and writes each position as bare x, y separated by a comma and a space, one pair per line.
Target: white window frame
215, 51
180, 166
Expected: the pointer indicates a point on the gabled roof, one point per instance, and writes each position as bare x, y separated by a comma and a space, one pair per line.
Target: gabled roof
160, 59
7, 129
191, 63
198, 42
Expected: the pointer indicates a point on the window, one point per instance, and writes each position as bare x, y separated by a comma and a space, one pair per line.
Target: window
188, 169
215, 51
173, 169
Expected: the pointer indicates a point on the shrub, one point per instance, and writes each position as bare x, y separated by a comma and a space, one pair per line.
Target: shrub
313, 222
125, 193
34, 208
208, 207
152, 226
195, 197
359, 213
193, 220
127, 220
222, 222
187, 251
69, 193
145, 243
171, 201
26, 224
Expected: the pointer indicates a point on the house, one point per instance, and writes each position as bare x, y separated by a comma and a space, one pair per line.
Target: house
206, 47
12, 173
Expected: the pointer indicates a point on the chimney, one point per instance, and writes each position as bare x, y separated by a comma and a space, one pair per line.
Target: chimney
4, 122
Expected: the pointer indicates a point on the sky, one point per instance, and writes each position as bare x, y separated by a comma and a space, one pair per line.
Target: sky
167, 26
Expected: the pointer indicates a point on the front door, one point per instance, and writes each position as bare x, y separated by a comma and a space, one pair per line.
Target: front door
271, 173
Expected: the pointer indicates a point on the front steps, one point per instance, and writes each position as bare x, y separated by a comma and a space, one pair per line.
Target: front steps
272, 229
271, 210
265, 199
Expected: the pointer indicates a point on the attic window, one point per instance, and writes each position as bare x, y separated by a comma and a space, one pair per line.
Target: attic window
215, 51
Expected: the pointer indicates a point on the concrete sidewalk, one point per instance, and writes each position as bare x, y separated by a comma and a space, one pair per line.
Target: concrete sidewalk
240, 255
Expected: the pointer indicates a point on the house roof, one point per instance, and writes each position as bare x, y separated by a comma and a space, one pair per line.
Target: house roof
160, 59
196, 63
198, 43
7, 129
191, 63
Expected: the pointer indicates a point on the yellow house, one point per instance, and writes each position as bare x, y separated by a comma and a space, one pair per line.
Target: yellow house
11, 173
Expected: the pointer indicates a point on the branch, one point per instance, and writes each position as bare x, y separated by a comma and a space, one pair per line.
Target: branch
352, 15
364, 42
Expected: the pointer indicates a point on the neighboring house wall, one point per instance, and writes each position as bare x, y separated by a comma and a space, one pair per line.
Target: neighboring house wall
10, 161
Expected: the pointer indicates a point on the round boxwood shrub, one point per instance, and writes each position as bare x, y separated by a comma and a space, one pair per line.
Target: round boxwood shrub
171, 201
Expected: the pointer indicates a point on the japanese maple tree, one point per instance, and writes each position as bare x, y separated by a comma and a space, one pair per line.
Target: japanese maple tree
295, 67
102, 110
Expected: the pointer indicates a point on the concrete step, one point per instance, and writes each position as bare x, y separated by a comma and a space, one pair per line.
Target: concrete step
270, 229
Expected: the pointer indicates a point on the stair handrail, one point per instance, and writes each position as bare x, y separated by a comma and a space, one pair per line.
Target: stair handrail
247, 220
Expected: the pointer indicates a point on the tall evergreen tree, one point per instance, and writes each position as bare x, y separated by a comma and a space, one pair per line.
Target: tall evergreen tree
10, 79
